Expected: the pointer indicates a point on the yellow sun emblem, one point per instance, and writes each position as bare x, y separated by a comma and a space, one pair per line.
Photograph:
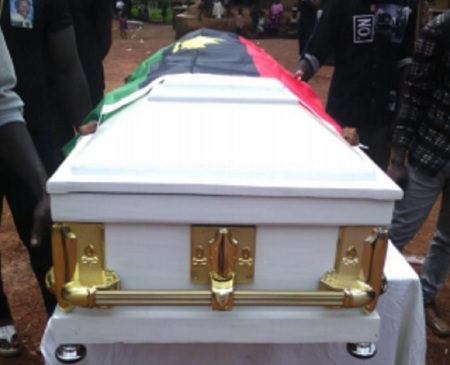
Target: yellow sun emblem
196, 43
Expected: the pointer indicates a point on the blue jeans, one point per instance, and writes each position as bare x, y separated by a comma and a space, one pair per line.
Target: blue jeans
409, 215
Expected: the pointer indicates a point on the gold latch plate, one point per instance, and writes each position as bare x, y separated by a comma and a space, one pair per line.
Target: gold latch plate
243, 263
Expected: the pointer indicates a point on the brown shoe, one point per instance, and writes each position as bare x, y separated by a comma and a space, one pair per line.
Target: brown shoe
433, 320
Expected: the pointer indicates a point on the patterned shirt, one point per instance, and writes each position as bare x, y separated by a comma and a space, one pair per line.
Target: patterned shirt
423, 125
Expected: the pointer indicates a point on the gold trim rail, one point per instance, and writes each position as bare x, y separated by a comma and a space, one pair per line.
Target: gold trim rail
91, 298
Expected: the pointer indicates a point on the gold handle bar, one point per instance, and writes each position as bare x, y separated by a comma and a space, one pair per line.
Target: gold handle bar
91, 297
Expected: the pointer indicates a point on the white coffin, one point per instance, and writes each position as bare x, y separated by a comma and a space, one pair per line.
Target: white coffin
219, 150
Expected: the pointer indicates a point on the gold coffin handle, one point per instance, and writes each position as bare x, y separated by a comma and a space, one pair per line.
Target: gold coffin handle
94, 297
223, 253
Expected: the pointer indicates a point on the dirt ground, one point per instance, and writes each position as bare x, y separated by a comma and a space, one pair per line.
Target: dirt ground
124, 56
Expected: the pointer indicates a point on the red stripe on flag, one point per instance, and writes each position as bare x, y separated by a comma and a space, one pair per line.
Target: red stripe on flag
268, 67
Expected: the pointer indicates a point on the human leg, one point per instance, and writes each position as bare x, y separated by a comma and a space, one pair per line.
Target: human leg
5, 314
436, 267
437, 262
411, 212
9, 344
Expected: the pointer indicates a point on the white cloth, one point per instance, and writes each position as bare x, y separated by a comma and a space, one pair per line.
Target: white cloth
402, 338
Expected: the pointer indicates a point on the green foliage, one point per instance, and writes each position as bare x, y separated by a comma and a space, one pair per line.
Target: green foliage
154, 15
133, 12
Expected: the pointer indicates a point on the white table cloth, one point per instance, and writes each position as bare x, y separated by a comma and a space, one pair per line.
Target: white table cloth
402, 338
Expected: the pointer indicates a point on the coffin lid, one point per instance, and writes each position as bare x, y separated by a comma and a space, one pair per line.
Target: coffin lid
220, 135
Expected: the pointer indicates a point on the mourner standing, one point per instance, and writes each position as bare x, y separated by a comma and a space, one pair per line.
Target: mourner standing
45, 47
18, 154
420, 160
372, 42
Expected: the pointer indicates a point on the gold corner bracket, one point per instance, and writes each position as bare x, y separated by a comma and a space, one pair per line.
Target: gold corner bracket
79, 264
358, 268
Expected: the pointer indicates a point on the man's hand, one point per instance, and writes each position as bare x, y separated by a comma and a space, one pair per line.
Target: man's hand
42, 220
88, 128
304, 71
397, 166
350, 135
298, 75
397, 172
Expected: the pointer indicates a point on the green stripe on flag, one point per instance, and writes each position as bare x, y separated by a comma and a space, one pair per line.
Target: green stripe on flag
112, 102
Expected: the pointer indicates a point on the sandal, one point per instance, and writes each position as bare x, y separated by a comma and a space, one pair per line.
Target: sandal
9, 343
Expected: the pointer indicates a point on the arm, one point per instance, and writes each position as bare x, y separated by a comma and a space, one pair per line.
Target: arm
104, 17
104, 37
16, 147
420, 84
405, 58
304, 70
17, 150
69, 75
397, 166
323, 41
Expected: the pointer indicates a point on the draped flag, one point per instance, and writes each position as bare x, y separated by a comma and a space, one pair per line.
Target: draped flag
205, 51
